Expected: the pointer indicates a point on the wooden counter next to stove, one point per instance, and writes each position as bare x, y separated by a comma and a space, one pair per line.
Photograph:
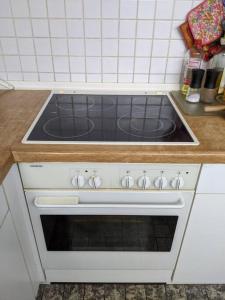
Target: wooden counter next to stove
17, 111
19, 108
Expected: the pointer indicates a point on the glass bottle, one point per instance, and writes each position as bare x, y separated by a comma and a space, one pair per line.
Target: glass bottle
192, 60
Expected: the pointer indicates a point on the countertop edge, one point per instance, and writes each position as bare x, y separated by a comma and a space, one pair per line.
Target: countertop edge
119, 157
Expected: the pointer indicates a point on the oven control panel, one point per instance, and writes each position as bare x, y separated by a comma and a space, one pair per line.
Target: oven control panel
109, 176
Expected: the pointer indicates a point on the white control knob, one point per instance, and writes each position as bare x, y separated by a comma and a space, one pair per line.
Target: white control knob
78, 181
127, 181
160, 182
144, 182
95, 182
177, 182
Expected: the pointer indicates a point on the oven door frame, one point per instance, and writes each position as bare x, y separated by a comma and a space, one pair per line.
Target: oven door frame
152, 203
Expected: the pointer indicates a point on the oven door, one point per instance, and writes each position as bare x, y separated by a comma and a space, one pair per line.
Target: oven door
108, 230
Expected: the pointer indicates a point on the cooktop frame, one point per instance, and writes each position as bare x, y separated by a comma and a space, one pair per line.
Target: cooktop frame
195, 141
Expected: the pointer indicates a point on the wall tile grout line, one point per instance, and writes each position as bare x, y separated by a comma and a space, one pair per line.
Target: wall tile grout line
87, 18
46, 72
32, 30
93, 38
3, 60
50, 40
16, 39
67, 40
151, 48
101, 41
118, 42
168, 51
135, 40
84, 36
62, 55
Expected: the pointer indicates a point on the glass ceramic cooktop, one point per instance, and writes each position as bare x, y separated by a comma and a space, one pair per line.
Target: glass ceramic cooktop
119, 119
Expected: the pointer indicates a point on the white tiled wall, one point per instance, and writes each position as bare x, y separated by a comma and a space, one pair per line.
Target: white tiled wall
92, 40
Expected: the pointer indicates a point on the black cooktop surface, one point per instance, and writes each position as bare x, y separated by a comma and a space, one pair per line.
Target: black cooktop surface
109, 118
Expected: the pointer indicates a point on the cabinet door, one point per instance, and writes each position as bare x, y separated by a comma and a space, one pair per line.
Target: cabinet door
212, 179
18, 208
3, 206
14, 280
202, 256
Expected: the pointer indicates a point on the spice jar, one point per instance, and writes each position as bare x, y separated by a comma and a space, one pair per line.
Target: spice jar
209, 91
193, 94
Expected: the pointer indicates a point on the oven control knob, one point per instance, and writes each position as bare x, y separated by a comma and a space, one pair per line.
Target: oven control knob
78, 181
95, 182
177, 182
127, 181
144, 182
160, 182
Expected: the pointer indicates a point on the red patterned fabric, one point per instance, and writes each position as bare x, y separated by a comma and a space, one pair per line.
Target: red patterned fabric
205, 21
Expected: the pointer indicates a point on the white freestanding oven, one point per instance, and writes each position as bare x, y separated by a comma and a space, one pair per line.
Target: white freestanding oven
99, 222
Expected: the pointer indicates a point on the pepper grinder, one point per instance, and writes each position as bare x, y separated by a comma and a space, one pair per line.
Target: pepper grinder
209, 91
193, 94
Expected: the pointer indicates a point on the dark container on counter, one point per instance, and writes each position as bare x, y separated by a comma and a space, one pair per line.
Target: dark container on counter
193, 94
209, 91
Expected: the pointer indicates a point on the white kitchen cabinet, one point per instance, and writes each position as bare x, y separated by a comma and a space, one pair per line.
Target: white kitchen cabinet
3, 206
18, 208
202, 255
212, 179
15, 283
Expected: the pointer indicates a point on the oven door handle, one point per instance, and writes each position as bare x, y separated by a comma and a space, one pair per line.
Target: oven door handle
179, 203
73, 202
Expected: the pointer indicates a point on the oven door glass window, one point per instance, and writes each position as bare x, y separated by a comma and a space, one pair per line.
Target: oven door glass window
108, 233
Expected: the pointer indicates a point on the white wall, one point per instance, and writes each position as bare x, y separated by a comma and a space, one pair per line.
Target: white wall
92, 40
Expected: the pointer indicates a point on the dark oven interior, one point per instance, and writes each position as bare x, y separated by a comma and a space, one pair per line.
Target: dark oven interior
108, 232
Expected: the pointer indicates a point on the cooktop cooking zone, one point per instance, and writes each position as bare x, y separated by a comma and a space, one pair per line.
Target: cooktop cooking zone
110, 119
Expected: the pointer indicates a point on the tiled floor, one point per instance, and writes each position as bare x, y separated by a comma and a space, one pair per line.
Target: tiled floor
130, 292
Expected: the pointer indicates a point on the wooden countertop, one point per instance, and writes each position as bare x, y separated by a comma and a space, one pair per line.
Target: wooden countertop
19, 108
